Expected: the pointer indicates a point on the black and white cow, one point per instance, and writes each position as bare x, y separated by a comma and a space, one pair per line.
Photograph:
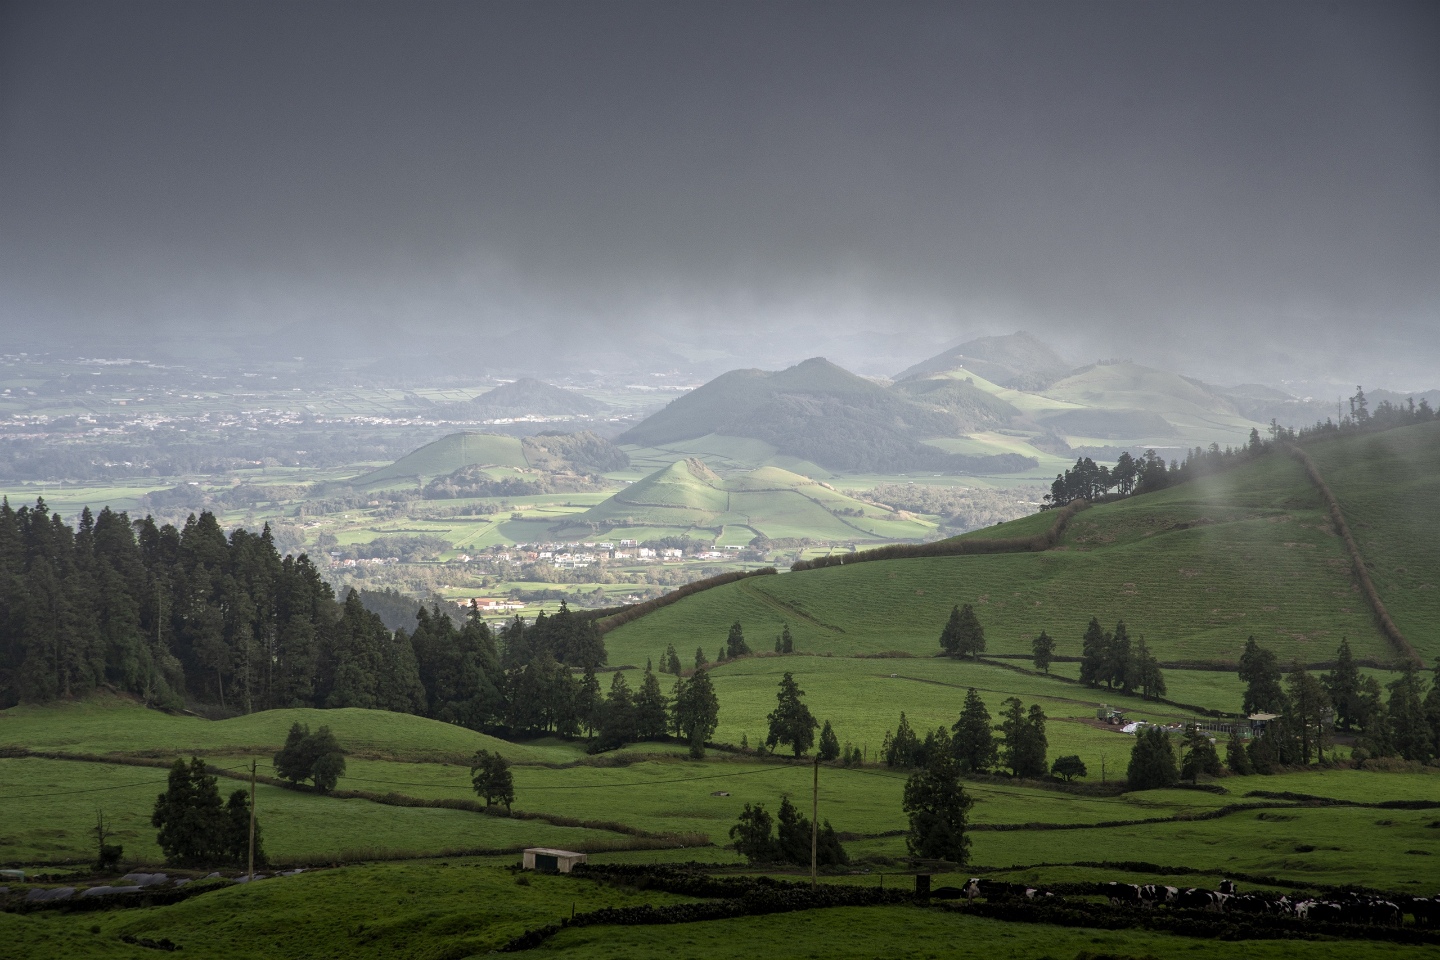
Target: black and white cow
1123, 894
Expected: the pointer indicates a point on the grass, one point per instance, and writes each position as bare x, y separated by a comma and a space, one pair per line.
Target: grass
1385, 485
50, 810
449, 454
424, 910
1194, 569
687, 496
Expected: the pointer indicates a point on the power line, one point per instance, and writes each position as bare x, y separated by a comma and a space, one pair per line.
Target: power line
589, 786
122, 786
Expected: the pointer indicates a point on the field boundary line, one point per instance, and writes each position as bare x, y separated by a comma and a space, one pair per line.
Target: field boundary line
1357, 561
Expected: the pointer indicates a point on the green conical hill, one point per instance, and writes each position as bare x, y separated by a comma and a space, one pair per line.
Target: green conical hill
449, 454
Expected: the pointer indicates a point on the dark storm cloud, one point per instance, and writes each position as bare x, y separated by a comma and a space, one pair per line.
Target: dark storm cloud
1169, 180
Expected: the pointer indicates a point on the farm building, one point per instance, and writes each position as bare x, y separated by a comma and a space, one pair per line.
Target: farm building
547, 860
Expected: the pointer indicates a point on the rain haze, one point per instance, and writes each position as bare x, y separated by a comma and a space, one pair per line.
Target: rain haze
1237, 191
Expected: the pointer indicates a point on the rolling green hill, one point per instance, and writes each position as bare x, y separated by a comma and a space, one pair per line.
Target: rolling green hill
818, 412
525, 397
1018, 360
1195, 569
1143, 405
447, 455
689, 497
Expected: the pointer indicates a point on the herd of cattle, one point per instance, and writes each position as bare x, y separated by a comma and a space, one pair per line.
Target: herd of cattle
1346, 908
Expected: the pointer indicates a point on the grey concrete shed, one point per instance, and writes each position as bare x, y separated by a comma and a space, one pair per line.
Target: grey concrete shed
549, 860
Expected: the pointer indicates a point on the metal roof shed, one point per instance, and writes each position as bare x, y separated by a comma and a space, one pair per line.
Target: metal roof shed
549, 860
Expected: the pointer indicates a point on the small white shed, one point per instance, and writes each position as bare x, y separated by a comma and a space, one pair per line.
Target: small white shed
548, 860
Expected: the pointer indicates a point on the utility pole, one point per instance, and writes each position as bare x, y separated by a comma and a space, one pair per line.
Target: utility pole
814, 821
252, 819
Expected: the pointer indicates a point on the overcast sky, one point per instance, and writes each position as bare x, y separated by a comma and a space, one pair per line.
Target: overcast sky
1236, 189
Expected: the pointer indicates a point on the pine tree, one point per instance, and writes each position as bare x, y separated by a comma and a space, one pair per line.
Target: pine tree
617, 718
1025, 741
672, 660
1236, 758
1152, 761
938, 809
1342, 684
651, 709
1148, 675
963, 635
753, 835
700, 661
588, 703
735, 645
1199, 755
696, 711
1042, 650
191, 821
1410, 734
902, 749
1260, 672
791, 722
974, 739
787, 642
1119, 660
829, 744
950, 635
1309, 712
1092, 654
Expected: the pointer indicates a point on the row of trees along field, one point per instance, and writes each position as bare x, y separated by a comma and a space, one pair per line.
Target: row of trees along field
1090, 481
1406, 724
971, 740
190, 615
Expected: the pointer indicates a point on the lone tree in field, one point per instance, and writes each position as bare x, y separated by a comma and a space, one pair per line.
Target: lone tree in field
791, 722
735, 645
963, 636
938, 807
974, 740
787, 642
1068, 768
316, 757
1152, 761
490, 776
1042, 651
696, 711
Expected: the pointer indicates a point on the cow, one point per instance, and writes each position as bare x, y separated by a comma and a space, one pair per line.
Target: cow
1123, 894
1426, 910
1193, 899
1227, 886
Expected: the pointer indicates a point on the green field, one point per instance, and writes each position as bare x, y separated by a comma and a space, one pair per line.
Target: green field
1195, 569
688, 497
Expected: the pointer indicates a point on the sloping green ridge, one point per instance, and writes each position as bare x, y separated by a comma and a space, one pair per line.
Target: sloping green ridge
1195, 569
1386, 485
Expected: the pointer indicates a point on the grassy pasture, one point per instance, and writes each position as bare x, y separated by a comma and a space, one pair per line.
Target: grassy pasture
457, 908
1195, 570
56, 825
1385, 484
917, 933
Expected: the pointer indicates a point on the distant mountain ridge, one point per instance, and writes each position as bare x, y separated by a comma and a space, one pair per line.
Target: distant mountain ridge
819, 412
1018, 360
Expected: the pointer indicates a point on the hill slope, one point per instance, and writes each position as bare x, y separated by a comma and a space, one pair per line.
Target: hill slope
1019, 361
1194, 569
525, 397
818, 412
770, 502
1128, 400
449, 454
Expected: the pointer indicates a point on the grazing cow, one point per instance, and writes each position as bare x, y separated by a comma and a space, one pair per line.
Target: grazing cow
1250, 903
1193, 899
972, 889
1227, 886
1123, 894
1426, 910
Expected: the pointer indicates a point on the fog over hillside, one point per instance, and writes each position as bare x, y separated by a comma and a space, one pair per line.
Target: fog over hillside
1239, 192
